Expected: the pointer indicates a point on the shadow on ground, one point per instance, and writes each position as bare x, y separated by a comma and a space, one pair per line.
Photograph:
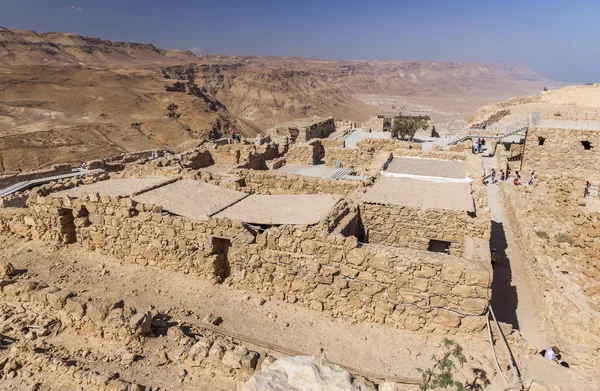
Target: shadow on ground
504, 295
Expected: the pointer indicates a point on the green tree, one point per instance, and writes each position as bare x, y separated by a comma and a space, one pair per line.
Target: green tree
441, 375
406, 126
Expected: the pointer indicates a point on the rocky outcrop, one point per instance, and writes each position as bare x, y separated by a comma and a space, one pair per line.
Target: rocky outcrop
304, 373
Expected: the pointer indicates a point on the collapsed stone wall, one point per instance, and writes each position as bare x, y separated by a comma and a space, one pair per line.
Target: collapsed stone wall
269, 182
401, 287
304, 129
109, 320
386, 145
562, 151
559, 242
376, 124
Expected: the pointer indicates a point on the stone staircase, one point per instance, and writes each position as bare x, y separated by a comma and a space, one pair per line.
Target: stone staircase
342, 172
472, 136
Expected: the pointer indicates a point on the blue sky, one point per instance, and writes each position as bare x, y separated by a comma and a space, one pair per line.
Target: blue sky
559, 39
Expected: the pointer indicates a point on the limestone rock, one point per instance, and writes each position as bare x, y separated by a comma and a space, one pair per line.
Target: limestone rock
6, 270
304, 373
141, 323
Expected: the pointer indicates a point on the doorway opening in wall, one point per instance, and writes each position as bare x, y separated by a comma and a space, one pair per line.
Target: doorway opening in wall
541, 141
587, 145
220, 249
439, 246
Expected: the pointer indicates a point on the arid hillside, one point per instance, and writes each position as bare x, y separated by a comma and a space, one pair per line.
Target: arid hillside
571, 101
65, 97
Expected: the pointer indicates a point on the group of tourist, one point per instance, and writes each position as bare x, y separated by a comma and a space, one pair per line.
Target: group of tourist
504, 176
478, 145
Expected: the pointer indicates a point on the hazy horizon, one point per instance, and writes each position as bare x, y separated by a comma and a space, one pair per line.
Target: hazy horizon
554, 39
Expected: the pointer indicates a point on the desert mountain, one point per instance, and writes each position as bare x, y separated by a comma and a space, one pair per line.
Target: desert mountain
66, 97
26, 47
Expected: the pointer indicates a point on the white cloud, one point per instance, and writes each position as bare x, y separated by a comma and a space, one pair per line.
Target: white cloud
74, 8
196, 50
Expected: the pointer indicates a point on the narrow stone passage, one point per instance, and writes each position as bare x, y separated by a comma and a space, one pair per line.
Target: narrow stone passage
512, 300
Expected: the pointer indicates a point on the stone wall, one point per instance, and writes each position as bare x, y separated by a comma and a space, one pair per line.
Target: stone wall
558, 241
269, 182
306, 154
401, 287
357, 159
401, 226
562, 151
404, 288
305, 129
386, 145
375, 124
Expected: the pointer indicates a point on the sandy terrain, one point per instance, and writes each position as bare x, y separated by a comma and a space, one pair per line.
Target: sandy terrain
420, 194
191, 199
428, 167
281, 209
377, 348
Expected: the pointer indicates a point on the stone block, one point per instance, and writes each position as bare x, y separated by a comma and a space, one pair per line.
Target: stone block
300, 286
425, 272
250, 360
477, 277
474, 306
447, 318
58, 299
440, 288
452, 272
217, 351
98, 309
420, 284
233, 358
75, 307
355, 257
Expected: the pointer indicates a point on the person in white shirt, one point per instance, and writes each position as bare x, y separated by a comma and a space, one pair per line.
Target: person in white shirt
551, 353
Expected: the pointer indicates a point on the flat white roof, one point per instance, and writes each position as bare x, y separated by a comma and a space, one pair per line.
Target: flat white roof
281, 209
419, 193
116, 187
191, 199
455, 169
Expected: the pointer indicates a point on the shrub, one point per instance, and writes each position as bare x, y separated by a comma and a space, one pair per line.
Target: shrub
407, 126
542, 234
562, 237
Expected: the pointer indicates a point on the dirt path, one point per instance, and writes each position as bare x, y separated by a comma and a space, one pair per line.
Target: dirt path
511, 297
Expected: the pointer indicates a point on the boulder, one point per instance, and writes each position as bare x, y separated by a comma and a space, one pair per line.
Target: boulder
6, 270
304, 373
141, 323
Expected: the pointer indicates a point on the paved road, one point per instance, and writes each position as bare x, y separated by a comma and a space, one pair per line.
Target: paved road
511, 297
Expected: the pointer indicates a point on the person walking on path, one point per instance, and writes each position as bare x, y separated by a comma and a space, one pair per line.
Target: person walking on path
493, 175
239, 137
494, 257
502, 176
532, 178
